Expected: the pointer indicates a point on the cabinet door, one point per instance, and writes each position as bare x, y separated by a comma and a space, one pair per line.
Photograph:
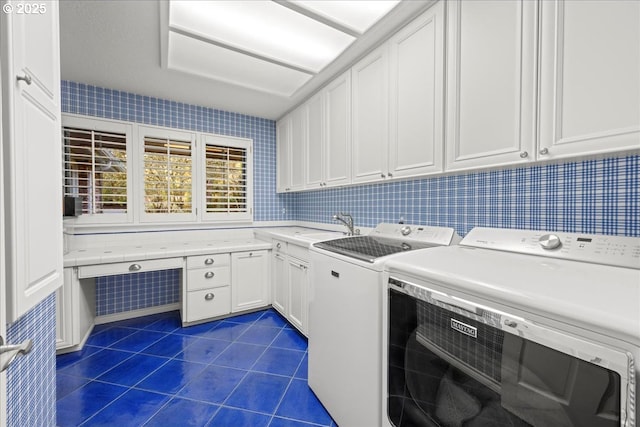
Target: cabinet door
315, 148
490, 83
370, 100
338, 131
249, 280
32, 163
298, 142
280, 285
298, 284
283, 154
416, 137
589, 81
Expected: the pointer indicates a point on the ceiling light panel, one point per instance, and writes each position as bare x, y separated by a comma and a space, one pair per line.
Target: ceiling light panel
357, 15
195, 56
263, 28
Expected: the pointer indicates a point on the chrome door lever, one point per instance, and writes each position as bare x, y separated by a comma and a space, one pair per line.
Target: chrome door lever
8, 353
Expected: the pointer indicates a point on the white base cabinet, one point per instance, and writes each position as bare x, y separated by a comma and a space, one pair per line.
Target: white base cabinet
250, 272
291, 283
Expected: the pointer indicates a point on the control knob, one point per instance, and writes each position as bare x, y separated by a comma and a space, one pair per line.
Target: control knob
405, 230
549, 241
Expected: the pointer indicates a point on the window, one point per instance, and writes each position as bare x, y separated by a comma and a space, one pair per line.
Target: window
95, 167
168, 175
228, 175
172, 176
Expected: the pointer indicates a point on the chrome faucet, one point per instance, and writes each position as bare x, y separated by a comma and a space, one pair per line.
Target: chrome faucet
347, 220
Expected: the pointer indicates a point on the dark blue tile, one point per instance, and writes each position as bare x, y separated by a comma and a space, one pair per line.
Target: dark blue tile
109, 336
303, 369
134, 408
168, 324
240, 355
82, 403
170, 345
290, 339
299, 403
271, 318
204, 350
245, 318
138, 341
69, 359
229, 417
284, 422
228, 331
259, 392
65, 384
214, 384
96, 364
171, 377
279, 361
183, 412
259, 335
198, 330
133, 370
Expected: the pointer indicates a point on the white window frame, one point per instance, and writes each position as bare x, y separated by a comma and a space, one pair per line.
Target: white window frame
166, 133
226, 141
105, 125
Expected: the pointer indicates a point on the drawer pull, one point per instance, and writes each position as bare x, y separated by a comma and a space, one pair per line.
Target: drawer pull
209, 274
135, 267
209, 296
208, 261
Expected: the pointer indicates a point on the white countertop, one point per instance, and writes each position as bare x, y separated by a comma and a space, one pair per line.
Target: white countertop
144, 250
122, 253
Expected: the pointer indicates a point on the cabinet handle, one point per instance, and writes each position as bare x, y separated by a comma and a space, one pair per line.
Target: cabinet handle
544, 151
278, 245
524, 155
209, 274
383, 175
208, 261
209, 296
390, 174
135, 267
26, 78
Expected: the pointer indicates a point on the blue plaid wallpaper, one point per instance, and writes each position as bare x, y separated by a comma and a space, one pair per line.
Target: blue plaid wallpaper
31, 380
592, 196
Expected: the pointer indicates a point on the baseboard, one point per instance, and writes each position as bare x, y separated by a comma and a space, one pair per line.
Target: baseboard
136, 313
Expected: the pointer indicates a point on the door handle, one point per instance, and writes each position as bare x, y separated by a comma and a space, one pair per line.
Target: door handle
8, 353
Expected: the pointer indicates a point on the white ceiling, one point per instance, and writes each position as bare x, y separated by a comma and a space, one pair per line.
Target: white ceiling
117, 45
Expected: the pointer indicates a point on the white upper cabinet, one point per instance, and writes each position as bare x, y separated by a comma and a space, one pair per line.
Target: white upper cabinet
590, 77
32, 146
416, 137
491, 98
315, 145
337, 98
370, 101
283, 154
297, 148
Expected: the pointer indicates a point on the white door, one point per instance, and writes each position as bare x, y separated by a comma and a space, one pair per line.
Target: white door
283, 153
3, 291
314, 147
298, 283
249, 280
589, 79
370, 109
416, 135
280, 284
297, 144
491, 65
337, 97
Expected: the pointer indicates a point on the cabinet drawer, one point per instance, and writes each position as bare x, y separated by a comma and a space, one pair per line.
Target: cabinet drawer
203, 278
279, 247
299, 252
203, 261
128, 267
208, 303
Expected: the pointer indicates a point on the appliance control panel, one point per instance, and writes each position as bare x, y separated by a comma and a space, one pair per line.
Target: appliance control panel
419, 233
595, 248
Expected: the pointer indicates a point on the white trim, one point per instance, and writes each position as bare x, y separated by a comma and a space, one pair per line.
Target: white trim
125, 315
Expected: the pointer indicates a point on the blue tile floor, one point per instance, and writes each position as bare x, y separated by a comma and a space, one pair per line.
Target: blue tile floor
248, 370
